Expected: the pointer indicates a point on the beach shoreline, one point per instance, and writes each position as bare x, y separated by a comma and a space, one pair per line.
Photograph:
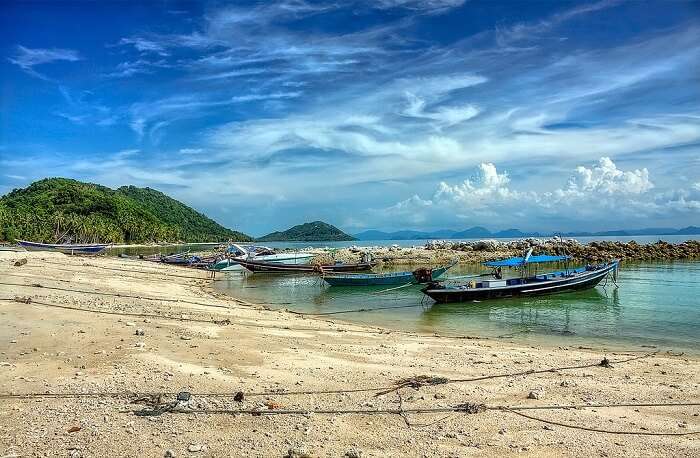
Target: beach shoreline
76, 332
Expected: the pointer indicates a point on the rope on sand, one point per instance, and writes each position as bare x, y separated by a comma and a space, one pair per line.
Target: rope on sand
599, 430
168, 274
415, 382
224, 322
157, 407
103, 293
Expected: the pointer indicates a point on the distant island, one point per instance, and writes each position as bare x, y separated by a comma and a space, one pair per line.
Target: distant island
316, 231
481, 232
60, 209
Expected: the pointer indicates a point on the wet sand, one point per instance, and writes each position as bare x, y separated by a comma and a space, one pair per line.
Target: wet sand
212, 345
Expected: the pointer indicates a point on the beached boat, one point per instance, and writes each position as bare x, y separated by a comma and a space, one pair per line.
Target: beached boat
273, 267
528, 284
63, 248
415, 277
256, 253
11, 248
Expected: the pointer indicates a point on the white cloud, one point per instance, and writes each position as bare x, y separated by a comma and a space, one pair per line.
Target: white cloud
145, 45
589, 197
434, 6
605, 178
28, 58
273, 95
533, 30
190, 150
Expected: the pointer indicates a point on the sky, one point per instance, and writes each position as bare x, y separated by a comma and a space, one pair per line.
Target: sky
390, 114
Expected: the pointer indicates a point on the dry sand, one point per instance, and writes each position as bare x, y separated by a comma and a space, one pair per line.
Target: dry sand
47, 349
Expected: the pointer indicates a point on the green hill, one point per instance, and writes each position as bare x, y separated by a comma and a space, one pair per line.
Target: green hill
193, 226
60, 209
317, 231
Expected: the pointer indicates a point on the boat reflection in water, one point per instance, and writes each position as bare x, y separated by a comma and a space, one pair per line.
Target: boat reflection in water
562, 315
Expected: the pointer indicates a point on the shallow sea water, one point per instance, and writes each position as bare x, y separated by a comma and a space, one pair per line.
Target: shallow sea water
657, 305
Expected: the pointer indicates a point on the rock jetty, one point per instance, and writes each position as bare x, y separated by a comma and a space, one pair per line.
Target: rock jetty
438, 251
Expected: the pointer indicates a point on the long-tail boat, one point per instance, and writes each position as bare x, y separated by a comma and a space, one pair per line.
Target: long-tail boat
272, 267
423, 275
529, 283
64, 248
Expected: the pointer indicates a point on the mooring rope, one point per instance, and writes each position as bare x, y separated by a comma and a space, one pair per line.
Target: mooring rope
366, 309
105, 293
225, 321
415, 382
155, 271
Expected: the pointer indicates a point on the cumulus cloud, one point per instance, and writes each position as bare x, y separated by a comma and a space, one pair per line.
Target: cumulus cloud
606, 179
590, 193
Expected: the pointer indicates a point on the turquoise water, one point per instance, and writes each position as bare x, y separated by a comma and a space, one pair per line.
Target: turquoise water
656, 305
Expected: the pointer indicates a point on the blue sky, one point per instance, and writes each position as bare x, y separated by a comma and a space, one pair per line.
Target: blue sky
391, 114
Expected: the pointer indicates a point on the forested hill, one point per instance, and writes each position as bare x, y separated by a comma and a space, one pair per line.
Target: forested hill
308, 232
192, 224
60, 209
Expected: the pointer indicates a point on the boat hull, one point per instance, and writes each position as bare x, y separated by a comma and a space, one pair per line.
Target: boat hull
67, 249
271, 267
394, 278
401, 278
578, 282
228, 265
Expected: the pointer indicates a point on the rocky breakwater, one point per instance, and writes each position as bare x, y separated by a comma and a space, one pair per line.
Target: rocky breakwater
599, 251
593, 251
437, 252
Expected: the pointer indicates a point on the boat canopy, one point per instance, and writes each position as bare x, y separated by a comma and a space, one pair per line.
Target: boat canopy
519, 261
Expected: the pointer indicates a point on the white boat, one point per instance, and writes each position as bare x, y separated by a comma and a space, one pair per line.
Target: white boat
256, 253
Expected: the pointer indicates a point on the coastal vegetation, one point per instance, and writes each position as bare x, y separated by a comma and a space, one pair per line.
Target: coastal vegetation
59, 209
308, 232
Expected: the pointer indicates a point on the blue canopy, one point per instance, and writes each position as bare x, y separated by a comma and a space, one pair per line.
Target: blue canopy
519, 261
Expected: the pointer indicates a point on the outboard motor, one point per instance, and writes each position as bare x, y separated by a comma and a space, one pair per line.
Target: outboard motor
423, 275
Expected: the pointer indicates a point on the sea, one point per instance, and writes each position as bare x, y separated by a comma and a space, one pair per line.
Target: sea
652, 306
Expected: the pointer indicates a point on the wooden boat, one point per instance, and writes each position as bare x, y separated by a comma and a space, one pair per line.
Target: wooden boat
528, 284
272, 267
63, 248
393, 278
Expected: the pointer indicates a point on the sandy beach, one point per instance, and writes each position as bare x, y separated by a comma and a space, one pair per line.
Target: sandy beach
82, 339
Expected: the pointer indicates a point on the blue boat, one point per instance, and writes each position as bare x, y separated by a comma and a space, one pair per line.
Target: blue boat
63, 248
393, 278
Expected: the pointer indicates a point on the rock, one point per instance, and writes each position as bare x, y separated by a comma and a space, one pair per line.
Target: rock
196, 448
298, 452
130, 323
185, 338
21, 262
353, 453
139, 344
169, 454
536, 394
440, 396
140, 332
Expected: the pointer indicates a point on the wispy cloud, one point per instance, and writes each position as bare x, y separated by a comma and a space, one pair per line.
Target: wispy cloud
28, 58
534, 30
